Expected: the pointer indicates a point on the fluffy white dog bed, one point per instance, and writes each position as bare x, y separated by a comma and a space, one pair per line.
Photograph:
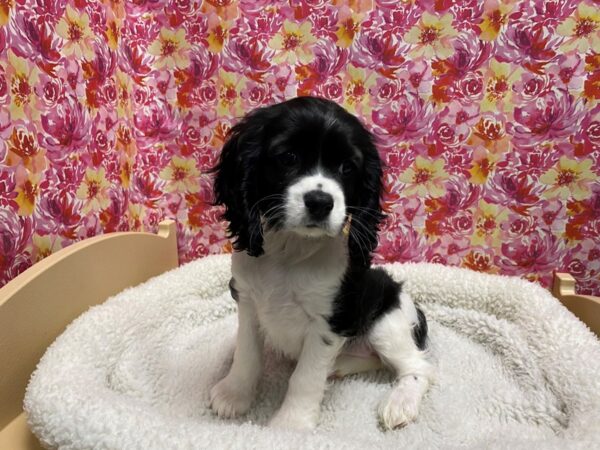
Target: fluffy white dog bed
516, 370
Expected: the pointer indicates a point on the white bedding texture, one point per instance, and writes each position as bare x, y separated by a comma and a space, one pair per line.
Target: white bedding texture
515, 370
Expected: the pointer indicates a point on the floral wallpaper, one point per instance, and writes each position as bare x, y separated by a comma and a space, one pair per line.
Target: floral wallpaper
487, 115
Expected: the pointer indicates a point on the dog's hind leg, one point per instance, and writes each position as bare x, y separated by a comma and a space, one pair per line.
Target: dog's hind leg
398, 337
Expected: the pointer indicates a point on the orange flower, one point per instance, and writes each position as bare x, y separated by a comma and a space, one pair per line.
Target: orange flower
23, 149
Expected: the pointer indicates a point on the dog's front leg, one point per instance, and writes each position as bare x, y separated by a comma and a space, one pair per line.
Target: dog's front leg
233, 395
302, 403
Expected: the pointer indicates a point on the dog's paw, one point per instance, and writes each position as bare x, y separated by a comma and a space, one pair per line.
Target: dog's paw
400, 407
293, 420
230, 399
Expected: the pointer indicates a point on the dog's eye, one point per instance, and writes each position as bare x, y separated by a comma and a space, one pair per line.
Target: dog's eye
346, 168
288, 159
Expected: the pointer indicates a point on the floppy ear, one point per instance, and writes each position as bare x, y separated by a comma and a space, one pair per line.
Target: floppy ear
235, 184
366, 215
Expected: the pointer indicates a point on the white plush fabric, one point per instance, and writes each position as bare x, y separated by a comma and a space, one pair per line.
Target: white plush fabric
516, 370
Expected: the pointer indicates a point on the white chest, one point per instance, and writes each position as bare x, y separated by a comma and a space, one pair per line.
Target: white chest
291, 292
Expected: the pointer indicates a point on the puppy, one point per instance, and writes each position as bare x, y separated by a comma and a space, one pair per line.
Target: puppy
301, 184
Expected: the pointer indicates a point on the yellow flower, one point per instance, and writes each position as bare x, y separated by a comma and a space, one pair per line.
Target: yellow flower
356, 99
5, 7
113, 33
294, 43
75, 29
427, 177
22, 148
229, 86
495, 17
581, 30
487, 220
135, 216
432, 37
483, 165
27, 190
569, 178
182, 175
22, 79
93, 190
348, 27
498, 92
217, 33
170, 49
44, 246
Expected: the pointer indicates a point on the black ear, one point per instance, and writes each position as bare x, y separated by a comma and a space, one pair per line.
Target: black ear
366, 215
235, 184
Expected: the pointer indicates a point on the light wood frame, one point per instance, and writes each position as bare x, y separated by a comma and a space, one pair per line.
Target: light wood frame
36, 306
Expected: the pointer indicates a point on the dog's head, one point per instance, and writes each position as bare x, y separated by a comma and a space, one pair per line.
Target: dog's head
304, 165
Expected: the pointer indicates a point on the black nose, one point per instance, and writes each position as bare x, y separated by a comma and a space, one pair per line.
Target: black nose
318, 204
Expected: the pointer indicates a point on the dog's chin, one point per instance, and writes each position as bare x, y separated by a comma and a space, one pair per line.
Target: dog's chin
316, 230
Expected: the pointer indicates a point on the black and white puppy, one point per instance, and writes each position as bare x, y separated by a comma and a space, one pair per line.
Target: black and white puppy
301, 183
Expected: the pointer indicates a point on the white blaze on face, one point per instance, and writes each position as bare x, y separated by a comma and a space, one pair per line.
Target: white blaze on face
297, 215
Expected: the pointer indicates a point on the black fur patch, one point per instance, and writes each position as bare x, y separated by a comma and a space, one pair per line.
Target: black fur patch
326, 340
419, 331
365, 296
234, 292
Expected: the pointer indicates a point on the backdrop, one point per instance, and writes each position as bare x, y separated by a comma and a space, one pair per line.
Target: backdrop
486, 112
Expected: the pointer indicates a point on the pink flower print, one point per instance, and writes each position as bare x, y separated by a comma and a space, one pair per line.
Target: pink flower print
409, 118
3, 40
7, 189
255, 95
59, 213
469, 55
517, 190
135, 61
531, 86
377, 49
467, 14
401, 18
203, 65
532, 254
51, 90
332, 89
255, 7
247, 54
417, 77
155, 122
569, 70
283, 82
385, 90
4, 88
551, 12
23, 148
554, 116
518, 225
147, 188
32, 39
469, 89
526, 43
139, 31
328, 61
141, 7
15, 234
588, 134
67, 128
400, 244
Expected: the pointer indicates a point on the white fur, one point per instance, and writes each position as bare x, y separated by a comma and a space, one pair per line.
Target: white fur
285, 297
296, 215
515, 370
